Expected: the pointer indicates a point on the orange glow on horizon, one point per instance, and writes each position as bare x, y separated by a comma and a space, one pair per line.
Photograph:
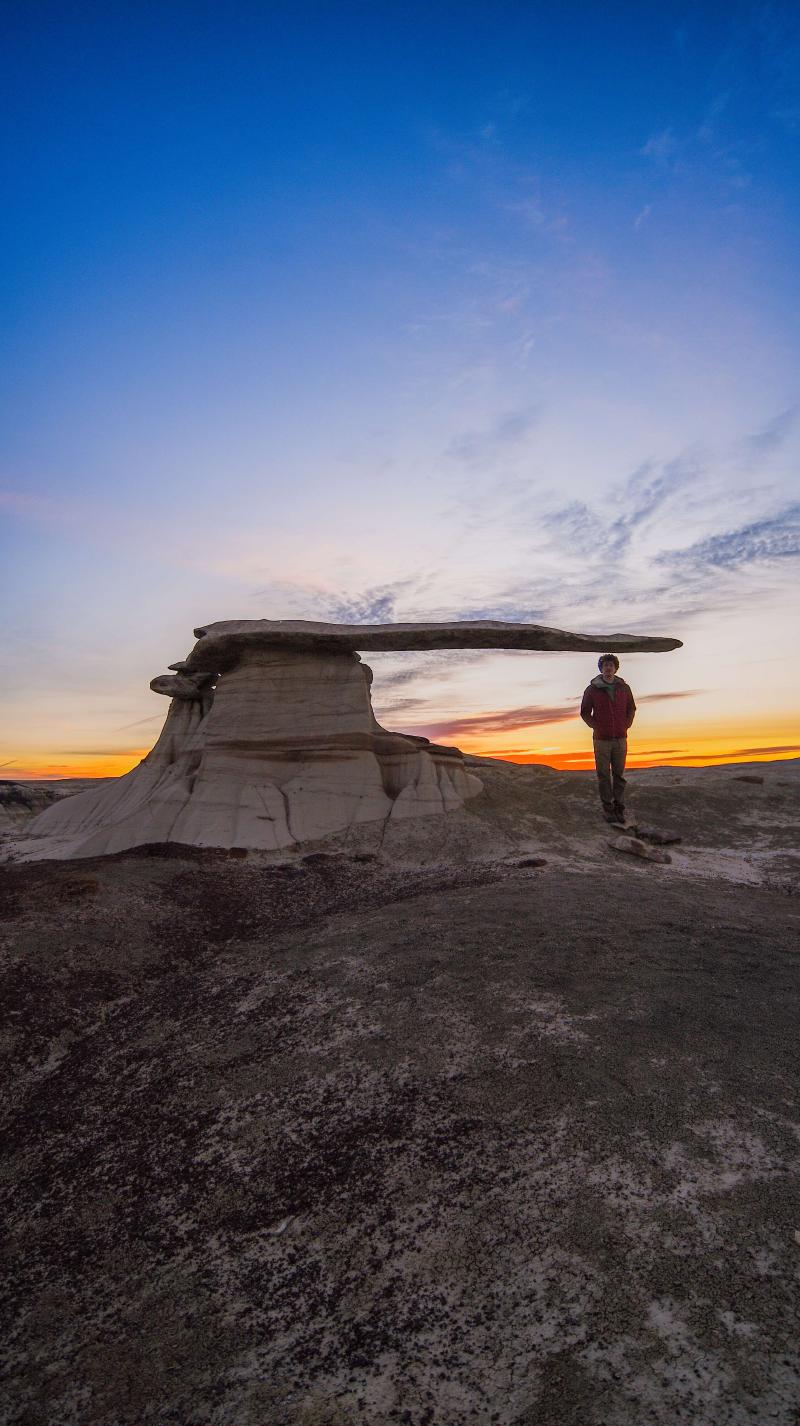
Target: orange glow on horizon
578, 762
568, 760
564, 743
653, 742
88, 765
657, 751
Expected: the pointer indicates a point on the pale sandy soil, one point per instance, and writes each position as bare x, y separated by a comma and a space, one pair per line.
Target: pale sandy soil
418, 1131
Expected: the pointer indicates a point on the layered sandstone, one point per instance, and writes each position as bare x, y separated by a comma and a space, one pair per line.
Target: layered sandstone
270, 741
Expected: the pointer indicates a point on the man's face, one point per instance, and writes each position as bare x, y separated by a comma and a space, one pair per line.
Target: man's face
608, 669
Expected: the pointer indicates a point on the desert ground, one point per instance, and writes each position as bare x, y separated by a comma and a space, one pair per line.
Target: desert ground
477, 1119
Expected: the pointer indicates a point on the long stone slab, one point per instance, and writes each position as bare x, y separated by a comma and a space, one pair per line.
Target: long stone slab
219, 646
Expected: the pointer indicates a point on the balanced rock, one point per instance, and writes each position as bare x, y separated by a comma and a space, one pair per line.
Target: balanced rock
220, 645
270, 741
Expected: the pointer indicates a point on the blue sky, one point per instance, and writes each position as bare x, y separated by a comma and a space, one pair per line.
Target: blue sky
383, 311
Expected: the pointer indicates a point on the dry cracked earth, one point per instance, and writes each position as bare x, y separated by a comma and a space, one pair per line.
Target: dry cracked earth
485, 1124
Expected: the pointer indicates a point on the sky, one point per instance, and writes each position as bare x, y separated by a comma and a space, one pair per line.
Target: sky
376, 312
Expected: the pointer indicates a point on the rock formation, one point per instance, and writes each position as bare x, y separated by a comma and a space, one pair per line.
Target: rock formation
270, 740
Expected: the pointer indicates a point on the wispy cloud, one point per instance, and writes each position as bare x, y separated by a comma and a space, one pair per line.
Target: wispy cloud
478, 448
398, 705
711, 145
506, 608
400, 678
535, 215
611, 560
772, 435
774, 538
647, 491
783, 748
661, 146
643, 495
663, 697
483, 160
648, 556
577, 526
507, 721
431, 667
374, 606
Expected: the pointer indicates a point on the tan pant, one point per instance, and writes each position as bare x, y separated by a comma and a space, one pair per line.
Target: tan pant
609, 759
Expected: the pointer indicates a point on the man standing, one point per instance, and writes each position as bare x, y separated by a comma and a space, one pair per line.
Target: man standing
609, 710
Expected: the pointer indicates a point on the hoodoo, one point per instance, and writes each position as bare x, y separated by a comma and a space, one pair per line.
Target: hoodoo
270, 740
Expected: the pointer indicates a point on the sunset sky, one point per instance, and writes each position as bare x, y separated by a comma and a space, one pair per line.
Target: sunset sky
381, 312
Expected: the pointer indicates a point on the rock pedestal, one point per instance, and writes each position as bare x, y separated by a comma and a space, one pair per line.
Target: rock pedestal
271, 741
288, 751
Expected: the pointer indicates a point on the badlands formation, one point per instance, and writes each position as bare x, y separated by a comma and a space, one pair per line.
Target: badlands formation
271, 741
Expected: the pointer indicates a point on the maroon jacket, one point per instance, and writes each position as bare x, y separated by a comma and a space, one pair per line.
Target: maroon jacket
608, 717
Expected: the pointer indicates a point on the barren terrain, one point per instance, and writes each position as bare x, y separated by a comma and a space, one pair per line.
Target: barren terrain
473, 1120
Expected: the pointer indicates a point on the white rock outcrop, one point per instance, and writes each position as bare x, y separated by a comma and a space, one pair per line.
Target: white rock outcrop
271, 741
287, 751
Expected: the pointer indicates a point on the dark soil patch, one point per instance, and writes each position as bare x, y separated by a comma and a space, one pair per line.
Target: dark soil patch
328, 1143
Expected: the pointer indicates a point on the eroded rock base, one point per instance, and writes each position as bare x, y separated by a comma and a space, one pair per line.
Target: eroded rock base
284, 750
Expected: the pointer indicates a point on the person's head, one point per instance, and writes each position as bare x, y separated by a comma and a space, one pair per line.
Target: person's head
608, 665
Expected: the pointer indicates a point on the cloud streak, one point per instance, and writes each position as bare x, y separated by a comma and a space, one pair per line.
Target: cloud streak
512, 719
664, 697
783, 748
661, 147
479, 448
772, 435
509, 720
434, 667
377, 605
645, 494
398, 705
651, 486
610, 555
373, 604
760, 541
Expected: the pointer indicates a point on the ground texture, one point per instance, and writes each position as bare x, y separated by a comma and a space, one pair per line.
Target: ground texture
380, 1135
